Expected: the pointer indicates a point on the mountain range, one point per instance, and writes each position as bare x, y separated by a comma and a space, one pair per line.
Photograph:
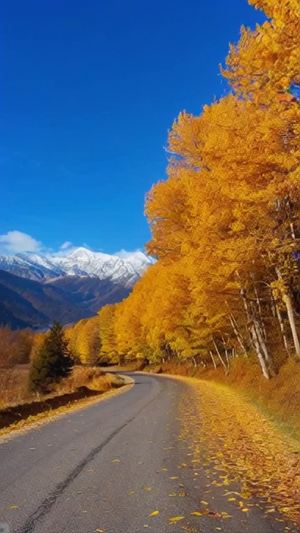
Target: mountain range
36, 289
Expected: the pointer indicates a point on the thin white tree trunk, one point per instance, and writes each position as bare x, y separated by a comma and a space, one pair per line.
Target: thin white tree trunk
213, 359
292, 231
226, 351
260, 355
290, 311
267, 357
259, 308
281, 325
220, 357
237, 333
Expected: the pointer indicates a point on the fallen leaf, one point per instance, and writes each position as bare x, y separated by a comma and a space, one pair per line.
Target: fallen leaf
175, 519
154, 513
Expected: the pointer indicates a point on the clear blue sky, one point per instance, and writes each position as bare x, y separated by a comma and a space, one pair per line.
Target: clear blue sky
91, 88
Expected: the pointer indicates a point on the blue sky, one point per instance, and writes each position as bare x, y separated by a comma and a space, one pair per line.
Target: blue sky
91, 88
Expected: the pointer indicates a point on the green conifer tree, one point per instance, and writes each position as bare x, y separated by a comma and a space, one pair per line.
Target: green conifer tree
53, 361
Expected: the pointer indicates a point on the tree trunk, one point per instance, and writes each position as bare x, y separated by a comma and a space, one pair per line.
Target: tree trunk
213, 359
220, 357
259, 308
260, 355
267, 357
226, 351
281, 325
237, 333
290, 311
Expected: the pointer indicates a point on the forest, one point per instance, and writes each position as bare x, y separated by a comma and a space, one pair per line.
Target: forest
225, 223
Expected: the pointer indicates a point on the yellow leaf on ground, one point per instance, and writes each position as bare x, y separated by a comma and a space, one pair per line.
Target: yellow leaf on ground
175, 519
154, 513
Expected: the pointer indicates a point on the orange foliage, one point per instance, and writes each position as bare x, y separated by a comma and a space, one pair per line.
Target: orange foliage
225, 222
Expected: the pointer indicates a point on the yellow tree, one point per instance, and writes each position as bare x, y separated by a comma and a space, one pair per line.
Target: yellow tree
108, 346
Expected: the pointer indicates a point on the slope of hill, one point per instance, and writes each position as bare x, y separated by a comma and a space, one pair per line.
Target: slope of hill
25, 302
91, 293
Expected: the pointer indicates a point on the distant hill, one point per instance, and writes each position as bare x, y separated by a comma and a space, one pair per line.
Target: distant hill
36, 290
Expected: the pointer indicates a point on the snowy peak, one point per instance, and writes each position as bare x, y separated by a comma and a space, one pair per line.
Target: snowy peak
124, 267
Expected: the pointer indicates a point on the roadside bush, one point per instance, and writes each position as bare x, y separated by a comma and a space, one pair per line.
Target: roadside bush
15, 346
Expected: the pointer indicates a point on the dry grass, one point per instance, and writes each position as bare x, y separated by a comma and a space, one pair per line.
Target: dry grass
43, 416
14, 384
279, 398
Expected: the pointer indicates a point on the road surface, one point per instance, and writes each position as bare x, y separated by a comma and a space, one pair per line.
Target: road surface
115, 466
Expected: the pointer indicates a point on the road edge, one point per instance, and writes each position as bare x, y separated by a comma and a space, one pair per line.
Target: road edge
43, 418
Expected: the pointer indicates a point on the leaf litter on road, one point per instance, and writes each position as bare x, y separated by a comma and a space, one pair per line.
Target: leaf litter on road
238, 444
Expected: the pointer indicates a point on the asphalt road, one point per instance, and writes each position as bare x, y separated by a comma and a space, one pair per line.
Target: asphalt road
109, 466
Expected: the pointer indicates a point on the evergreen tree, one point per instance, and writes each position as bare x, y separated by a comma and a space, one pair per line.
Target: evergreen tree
53, 360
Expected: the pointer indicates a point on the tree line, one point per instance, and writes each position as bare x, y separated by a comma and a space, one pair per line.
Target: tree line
225, 222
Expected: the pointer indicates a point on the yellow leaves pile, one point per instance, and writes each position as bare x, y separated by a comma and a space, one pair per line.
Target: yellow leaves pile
240, 444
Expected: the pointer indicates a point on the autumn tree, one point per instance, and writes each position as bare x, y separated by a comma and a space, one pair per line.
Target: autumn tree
225, 222
15, 346
84, 340
108, 349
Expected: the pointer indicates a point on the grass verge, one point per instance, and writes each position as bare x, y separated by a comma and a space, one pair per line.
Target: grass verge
86, 384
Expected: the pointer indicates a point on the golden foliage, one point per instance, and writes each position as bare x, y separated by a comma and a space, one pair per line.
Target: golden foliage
225, 223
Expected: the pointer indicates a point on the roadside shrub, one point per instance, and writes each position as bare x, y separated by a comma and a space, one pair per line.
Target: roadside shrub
15, 346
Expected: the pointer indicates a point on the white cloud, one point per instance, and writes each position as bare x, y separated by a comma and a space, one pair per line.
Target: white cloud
124, 254
14, 242
66, 245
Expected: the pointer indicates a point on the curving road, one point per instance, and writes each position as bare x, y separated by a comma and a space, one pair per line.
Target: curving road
109, 466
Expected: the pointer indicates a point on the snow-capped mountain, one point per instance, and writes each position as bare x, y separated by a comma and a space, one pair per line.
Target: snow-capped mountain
79, 262
36, 289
